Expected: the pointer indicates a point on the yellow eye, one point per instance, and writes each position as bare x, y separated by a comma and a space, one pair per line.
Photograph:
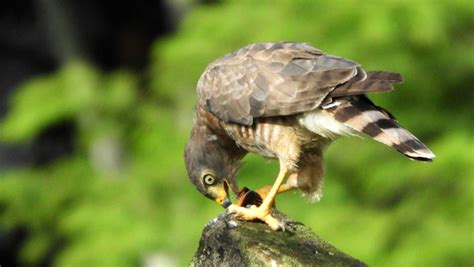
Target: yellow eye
209, 179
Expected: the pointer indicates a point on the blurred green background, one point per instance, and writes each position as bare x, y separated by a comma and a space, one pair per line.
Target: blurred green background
122, 196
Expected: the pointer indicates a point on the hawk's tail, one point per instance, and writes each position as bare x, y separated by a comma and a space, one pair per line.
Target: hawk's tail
360, 114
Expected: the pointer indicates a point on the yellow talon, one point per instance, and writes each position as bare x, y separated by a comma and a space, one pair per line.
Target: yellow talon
254, 212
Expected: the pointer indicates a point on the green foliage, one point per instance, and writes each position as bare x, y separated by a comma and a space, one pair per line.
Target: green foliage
109, 210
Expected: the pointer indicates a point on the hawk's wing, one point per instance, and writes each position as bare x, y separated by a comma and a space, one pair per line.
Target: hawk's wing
276, 79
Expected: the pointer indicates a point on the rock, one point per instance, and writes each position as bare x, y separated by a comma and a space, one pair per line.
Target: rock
226, 241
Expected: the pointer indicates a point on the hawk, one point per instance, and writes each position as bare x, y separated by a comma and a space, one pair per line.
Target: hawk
284, 101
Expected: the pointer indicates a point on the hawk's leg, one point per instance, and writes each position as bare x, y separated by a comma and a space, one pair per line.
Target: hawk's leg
263, 212
264, 191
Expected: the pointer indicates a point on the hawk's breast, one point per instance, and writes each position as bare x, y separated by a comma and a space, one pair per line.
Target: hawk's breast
269, 137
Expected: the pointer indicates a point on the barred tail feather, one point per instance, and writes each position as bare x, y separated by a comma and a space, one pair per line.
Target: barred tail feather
360, 115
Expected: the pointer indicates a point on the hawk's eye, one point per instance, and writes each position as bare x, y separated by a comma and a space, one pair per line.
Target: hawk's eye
209, 179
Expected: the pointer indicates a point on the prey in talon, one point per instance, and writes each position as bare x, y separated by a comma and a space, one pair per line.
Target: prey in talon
247, 198
285, 101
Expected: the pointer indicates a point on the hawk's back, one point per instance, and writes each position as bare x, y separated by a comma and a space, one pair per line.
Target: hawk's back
271, 79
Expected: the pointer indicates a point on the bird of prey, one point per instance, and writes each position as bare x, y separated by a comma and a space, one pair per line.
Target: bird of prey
284, 101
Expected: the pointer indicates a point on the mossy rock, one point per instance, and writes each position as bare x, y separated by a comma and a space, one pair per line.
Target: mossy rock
229, 242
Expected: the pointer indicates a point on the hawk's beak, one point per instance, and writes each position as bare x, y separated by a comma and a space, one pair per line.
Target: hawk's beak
223, 196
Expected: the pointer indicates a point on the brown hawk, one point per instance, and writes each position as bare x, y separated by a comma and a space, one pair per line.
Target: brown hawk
284, 101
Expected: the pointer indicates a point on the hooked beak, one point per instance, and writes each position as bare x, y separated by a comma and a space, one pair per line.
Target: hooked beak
223, 196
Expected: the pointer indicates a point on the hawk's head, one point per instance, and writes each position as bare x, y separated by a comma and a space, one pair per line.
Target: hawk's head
209, 168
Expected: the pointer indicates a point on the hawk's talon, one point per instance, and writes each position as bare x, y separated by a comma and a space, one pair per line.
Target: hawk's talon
231, 213
254, 212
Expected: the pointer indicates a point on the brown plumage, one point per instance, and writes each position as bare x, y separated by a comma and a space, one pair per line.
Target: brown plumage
284, 101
